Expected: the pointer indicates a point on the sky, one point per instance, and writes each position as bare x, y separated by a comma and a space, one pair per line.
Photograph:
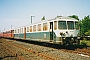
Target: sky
17, 13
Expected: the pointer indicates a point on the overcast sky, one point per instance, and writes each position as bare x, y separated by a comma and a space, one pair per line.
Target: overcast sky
18, 12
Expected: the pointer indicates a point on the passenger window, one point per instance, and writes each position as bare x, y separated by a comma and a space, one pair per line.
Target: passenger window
77, 26
30, 28
15, 31
22, 30
70, 24
39, 27
62, 25
27, 29
18, 30
55, 25
12, 31
34, 28
45, 27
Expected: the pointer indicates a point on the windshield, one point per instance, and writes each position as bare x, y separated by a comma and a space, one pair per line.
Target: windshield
70, 24
62, 25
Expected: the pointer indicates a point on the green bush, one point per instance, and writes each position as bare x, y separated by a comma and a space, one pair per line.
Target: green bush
85, 42
88, 44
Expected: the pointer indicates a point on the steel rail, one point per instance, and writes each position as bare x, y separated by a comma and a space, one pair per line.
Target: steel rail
32, 51
13, 52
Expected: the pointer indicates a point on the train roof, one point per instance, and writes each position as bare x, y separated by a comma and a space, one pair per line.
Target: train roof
55, 18
64, 17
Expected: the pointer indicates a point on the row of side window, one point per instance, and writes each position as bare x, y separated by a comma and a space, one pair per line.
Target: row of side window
35, 28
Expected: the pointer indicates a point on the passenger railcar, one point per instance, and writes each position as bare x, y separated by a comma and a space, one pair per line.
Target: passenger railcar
1, 34
7, 34
61, 30
10, 34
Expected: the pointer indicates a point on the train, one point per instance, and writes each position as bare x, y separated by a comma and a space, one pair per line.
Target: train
7, 34
59, 30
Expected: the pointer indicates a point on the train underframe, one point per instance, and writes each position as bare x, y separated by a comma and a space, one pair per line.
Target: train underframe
70, 41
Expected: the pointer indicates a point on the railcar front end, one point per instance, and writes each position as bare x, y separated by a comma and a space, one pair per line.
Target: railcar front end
67, 32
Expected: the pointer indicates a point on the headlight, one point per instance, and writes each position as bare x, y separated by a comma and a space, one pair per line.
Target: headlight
72, 39
64, 38
61, 33
66, 31
71, 35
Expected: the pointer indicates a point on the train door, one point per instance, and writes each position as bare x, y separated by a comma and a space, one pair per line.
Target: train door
12, 33
24, 32
51, 31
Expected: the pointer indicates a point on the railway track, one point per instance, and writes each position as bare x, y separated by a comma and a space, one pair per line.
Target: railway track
72, 49
7, 53
13, 52
83, 52
52, 53
28, 50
